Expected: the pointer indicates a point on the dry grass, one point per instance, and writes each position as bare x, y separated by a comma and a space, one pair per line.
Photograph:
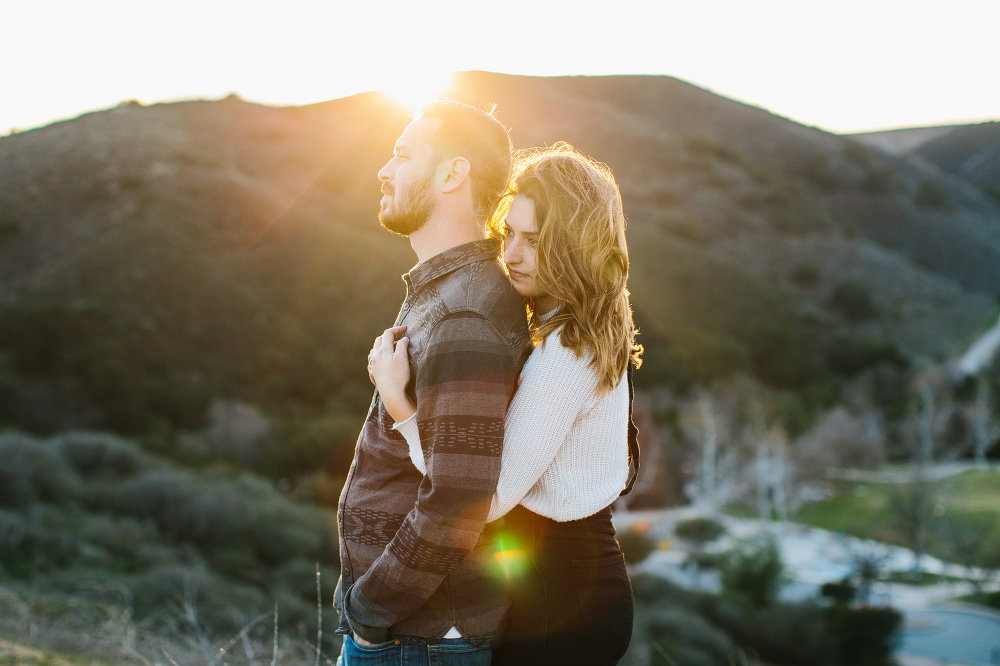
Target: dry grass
99, 629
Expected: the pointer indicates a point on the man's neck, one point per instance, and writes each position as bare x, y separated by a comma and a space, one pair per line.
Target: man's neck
444, 233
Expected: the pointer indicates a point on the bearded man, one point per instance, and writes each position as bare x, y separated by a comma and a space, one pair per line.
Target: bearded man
420, 582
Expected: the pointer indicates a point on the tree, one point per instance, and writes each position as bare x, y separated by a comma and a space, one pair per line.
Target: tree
753, 569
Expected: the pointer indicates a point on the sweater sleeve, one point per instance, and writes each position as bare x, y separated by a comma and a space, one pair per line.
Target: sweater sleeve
555, 388
463, 386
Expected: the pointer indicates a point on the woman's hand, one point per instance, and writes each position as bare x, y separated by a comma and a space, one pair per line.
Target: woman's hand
389, 370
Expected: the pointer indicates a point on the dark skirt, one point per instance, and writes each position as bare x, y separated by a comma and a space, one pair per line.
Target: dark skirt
571, 600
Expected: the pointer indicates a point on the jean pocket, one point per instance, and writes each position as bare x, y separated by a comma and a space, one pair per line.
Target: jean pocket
605, 593
382, 654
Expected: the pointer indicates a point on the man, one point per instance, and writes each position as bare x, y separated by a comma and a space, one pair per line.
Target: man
419, 576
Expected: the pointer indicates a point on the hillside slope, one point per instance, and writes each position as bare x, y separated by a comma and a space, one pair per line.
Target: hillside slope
154, 258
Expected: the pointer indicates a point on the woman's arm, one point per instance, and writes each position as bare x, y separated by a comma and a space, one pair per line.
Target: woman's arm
555, 388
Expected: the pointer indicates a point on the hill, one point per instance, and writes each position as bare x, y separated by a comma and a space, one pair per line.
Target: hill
153, 259
971, 152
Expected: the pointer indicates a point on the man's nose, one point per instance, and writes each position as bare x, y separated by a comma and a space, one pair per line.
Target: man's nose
383, 173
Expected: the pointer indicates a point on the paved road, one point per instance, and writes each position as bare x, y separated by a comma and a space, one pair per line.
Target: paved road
952, 635
935, 634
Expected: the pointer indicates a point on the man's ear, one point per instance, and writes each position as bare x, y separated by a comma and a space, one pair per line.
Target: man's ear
456, 172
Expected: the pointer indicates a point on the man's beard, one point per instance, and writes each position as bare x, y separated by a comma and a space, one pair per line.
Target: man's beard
409, 210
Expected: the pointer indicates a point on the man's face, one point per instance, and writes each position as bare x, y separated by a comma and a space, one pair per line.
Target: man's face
408, 195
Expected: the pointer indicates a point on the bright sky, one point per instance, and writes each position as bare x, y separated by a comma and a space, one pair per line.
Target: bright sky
845, 65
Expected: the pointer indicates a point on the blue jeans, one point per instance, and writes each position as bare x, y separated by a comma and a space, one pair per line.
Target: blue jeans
444, 652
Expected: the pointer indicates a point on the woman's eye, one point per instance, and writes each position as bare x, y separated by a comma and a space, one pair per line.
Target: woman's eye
507, 231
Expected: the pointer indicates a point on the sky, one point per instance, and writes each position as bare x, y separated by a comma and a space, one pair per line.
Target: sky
845, 66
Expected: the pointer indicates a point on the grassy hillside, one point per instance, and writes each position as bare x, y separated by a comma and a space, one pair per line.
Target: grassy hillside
153, 259
90, 519
971, 152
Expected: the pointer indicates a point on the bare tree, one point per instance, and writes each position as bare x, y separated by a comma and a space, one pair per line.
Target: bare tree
985, 430
709, 447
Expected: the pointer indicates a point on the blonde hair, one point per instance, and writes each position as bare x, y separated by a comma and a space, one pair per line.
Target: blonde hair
582, 256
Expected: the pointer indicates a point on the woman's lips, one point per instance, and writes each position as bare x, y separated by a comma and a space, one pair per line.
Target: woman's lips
516, 275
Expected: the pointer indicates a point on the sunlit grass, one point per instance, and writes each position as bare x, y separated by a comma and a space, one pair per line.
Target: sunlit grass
866, 509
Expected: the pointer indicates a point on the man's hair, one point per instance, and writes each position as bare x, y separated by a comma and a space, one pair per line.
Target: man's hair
477, 136
582, 256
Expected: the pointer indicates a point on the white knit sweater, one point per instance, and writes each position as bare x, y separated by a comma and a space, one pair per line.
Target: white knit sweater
565, 449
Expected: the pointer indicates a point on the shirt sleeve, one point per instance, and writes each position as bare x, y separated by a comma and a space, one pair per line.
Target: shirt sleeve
555, 388
463, 387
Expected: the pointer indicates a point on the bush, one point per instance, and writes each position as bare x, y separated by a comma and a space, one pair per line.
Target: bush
854, 301
865, 636
31, 472
102, 456
822, 176
686, 639
840, 593
699, 530
181, 511
636, 546
805, 275
753, 569
850, 356
930, 195
713, 356
878, 182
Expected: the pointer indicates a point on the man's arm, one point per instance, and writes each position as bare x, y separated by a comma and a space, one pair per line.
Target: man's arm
463, 387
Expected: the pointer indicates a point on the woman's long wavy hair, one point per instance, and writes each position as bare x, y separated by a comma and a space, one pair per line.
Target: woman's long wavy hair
582, 256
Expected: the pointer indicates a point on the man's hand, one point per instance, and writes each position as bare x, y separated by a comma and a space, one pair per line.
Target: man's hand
361, 641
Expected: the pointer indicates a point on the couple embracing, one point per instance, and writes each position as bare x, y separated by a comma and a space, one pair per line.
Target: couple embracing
475, 523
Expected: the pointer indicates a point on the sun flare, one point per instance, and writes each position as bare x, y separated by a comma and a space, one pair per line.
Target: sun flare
413, 90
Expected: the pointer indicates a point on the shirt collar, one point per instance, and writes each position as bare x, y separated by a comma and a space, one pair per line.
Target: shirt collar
450, 260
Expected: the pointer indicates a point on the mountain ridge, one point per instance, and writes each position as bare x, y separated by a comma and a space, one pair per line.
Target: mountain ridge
170, 254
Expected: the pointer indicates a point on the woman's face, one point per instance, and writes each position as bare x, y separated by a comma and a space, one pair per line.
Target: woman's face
520, 239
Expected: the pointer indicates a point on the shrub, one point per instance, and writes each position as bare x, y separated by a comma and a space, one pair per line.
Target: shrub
930, 195
713, 356
102, 456
32, 471
173, 502
848, 356
818, 171
854, 301
878, 182
841, 592
636, 546
865, 636
805, 275
699, 530
687, 638
753, 569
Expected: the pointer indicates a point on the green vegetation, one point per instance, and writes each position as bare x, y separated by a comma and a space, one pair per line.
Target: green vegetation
85, 510
957, 509
689, 628
752, 569
854, 301
930, 195
636, 545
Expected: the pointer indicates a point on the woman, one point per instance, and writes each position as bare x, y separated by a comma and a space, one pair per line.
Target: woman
566, 443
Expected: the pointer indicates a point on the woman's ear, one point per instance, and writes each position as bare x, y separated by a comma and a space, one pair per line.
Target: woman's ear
456, 173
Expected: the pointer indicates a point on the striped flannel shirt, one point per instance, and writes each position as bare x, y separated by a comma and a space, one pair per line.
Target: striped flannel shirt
416, 555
